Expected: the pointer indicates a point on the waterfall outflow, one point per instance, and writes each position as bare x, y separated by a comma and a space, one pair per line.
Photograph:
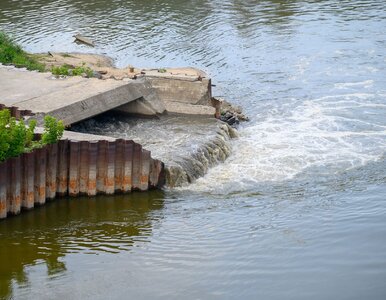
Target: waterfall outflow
188, 145
196, 164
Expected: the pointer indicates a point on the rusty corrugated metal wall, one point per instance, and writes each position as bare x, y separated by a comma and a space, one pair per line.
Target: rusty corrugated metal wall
76, 168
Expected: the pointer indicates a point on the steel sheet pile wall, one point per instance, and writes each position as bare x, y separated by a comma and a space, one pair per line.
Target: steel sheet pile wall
15, 112
76, 168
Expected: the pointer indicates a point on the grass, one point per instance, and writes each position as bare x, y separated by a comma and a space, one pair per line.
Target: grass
12, 53
63, 70
67, 70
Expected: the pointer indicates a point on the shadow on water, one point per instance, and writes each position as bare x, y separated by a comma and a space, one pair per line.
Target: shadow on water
87, 225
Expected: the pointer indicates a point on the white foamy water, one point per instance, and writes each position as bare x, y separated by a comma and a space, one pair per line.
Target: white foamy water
323, 133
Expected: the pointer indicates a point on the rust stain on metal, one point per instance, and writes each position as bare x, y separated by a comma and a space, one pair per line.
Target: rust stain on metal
127, 179
17, 202
110, 182
144, 179
91, 184
73, 184
75, 168
30, 200
42, 191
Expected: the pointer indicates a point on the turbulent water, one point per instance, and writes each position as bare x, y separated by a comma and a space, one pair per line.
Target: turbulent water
297, 211
188, 145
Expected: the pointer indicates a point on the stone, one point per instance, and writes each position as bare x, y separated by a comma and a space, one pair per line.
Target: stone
97, 75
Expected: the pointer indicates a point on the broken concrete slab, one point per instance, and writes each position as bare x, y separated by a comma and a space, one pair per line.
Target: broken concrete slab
78, 136
148, 105
189, 109
72, 99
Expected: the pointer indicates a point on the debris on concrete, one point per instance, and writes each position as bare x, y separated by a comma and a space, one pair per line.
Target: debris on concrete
84, 40
231, 114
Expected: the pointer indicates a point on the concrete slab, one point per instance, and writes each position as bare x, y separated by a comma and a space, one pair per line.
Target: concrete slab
189, 109
18, 84
78, 136
72, 99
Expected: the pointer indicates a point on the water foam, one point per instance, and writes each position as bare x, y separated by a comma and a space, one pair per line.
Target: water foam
327, 134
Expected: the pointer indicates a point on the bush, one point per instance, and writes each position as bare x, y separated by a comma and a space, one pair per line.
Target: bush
83, 70
17, 138
12, 53
53, 130
62, 70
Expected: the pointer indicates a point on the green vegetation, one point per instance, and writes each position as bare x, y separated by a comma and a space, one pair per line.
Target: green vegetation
162, 70
11, 53
53, 130
67, 70
62, 70
82, 70
16, 137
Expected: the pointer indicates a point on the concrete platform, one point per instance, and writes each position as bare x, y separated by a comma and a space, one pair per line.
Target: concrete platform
79, 136
74, 99
71, 99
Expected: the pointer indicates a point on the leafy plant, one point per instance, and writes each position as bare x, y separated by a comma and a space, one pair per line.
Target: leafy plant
30, 143
162, 70
15, 136
62, 70
83, 69
53, 130
4, 133
66, 70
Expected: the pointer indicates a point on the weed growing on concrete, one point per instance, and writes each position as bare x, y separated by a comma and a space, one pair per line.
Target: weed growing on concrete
83, 69
11, 53
60, 71
66, 70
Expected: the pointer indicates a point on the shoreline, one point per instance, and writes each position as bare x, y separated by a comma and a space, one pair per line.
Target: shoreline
153, 94
104, 65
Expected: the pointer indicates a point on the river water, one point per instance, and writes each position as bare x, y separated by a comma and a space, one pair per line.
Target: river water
298, 211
